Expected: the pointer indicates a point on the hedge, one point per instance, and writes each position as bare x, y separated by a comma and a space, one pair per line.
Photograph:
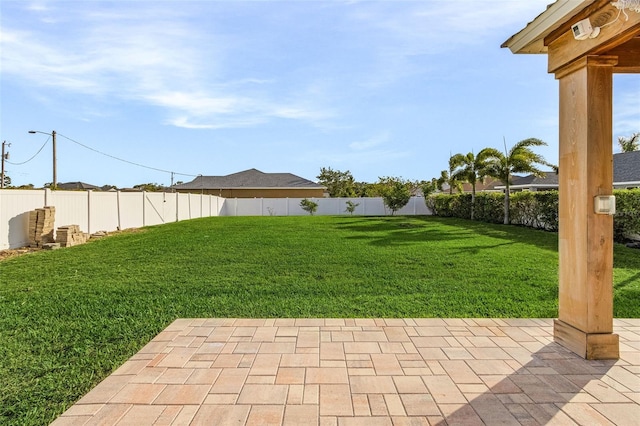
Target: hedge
534, 209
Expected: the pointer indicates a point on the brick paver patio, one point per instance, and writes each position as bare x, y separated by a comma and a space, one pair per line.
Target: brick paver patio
365, 372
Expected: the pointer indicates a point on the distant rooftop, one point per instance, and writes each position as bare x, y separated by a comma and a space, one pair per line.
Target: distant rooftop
250, 179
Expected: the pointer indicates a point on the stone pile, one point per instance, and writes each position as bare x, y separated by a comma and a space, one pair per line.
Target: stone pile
70, 235
41, 225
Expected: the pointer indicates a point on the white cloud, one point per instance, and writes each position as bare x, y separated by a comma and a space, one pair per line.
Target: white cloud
152, 57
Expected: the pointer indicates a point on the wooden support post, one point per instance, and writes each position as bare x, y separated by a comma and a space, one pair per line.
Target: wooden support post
585, 320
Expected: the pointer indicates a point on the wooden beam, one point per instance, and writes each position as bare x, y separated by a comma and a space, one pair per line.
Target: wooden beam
589, 346
566, 26
585, 296
628, 56
565, 48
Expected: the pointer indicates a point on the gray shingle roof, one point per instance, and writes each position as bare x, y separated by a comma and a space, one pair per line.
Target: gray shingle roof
549, 178
251, 178
77, 186
626, 167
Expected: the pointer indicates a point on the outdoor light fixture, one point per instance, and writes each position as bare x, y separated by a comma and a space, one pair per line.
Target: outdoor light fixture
604, 204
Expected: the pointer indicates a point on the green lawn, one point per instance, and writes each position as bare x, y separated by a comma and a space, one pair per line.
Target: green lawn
69, 317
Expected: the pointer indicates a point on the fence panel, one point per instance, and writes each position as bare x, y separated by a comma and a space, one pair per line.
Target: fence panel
155, 212
183, 206
274, 207
15, 206
248, 206
72, 208
131, 210
103, 212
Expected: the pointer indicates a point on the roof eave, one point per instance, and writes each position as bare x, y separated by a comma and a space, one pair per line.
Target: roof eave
531, 38
632, 183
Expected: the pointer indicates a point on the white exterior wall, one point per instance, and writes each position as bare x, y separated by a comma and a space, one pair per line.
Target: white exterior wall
110, 211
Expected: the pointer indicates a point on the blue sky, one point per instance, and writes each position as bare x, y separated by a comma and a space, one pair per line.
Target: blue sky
379, 88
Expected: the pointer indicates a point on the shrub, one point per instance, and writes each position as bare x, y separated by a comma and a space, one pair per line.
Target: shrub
490, 207
626, 221
534, 209
351, 207
309, 206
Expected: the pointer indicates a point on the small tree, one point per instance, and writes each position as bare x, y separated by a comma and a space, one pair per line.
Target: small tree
396, 196
309, 206
339, 184
351, 207
630, 144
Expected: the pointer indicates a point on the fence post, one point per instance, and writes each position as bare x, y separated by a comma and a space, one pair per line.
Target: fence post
118, 208
89, 192
177, 204
144, 205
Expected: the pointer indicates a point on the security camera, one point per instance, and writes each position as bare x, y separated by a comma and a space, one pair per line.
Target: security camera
583, 30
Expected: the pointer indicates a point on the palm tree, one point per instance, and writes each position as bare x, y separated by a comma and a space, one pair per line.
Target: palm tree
519, 159
447, 176
632, 143
471, 169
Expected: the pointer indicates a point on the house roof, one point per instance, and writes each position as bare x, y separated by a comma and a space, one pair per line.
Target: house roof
549, 178
531, 38
489, 184
82, 186
626, 170
626, 167
250, 179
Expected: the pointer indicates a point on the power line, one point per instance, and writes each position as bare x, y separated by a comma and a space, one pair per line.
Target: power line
125, 161
34, 155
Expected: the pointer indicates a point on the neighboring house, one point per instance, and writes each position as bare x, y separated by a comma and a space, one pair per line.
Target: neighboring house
488, 185
626, 170
626, 175
532, 183
253, 183
77, 186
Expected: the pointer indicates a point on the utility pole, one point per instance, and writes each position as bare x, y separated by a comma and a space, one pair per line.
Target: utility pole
4, 157
54, 184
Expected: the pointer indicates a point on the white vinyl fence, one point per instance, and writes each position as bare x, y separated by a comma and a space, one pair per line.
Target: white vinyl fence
110, 211
98, 211
370, 206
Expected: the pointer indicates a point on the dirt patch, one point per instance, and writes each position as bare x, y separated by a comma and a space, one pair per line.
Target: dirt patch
7, 254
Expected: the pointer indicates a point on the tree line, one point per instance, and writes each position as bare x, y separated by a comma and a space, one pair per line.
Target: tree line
463, 168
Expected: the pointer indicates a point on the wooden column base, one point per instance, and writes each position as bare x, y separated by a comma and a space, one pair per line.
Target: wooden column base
587, 345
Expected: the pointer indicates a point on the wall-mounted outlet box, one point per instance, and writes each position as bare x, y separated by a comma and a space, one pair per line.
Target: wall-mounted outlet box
604, 204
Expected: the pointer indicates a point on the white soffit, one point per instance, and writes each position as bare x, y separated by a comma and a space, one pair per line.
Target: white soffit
531, 38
